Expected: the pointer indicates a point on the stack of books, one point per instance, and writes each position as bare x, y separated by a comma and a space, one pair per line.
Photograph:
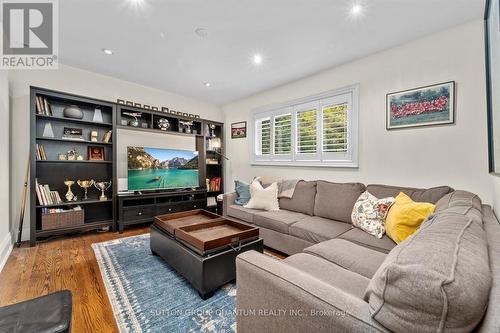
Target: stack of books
42, 106
213, 185
46, 196
40, 153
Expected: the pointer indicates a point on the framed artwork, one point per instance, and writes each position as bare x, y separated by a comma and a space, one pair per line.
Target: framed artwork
239, 130
96, 153
492, 51
422, 106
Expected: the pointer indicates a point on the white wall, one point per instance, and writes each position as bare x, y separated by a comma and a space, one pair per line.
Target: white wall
81, 82
455, 155
496, 194
6, 237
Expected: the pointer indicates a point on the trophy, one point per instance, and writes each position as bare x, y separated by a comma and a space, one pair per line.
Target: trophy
85, 184
69, 195
102, 186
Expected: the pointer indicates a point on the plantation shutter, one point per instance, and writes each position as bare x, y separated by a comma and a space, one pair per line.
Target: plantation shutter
263, 136
306, 131
283, 134
335, 124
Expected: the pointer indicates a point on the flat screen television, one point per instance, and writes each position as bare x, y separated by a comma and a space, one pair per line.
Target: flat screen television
161, 169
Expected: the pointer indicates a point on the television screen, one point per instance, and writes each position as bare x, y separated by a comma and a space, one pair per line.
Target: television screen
156, 168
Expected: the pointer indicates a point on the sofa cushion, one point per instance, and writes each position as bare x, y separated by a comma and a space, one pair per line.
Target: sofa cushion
358, 236
330, 273
336, 200
317, 229
242, 213
437, 280
348, 255
431, 195
278, 220
461, 202
302, 200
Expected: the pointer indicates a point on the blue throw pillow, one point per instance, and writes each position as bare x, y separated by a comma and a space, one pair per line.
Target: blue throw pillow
243, 191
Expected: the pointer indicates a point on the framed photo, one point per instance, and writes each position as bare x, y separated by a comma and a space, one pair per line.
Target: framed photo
423, 106
239, 130
120, 101
138, 105
96, 153
164, 109
492, 52
154, 108
129, 103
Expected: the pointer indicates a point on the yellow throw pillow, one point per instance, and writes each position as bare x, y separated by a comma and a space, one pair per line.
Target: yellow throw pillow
405, 217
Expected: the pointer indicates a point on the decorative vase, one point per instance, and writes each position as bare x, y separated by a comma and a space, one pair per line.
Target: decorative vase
73, 111
97, 116
163, 124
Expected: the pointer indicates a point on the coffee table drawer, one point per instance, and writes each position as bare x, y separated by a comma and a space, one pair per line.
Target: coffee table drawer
139, 213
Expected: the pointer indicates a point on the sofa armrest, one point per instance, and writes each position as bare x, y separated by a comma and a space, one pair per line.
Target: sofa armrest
275, 297
228, 199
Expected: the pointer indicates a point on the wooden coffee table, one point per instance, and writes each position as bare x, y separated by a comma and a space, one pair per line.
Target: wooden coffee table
202, 246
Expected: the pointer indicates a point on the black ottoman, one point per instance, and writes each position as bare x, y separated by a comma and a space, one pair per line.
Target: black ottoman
46, 314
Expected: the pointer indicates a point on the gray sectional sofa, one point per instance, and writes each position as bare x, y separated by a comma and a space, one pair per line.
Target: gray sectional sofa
444, 278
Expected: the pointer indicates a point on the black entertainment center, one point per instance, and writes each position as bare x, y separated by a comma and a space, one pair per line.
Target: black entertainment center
70, 151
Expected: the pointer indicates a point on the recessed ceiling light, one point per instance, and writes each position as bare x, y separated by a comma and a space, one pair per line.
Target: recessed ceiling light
257, 59
163, 35
207, 84
356, 9
201, 32
107, 51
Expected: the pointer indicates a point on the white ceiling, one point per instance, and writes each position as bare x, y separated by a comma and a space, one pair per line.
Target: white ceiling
295, 37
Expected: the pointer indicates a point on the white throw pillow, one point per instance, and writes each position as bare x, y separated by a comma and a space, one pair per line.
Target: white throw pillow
369, 213
263, 198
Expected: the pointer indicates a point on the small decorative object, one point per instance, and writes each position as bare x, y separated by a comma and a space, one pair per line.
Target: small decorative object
72, 155
172, 111
47, 131
120, 101
138, 105
185, 125
144, 125
98, 115
164, 109
179, 113
71, 133
196, 116
492, 52
154, 108
429, 105
96, 153
72, 111
69, 195
185, 114
107, 136
147, 107
239, 130
102, 186
163, 124
93, 136
62, 157
191, 115
135, 122
85, 184
124, 122
212, 130
129, 103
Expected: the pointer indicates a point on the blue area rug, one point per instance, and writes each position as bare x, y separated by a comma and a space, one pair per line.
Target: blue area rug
149, 296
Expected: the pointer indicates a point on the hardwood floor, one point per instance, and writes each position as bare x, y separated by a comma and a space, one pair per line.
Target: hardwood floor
65, 263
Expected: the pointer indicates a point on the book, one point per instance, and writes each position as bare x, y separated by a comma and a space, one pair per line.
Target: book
39, 108
106, 137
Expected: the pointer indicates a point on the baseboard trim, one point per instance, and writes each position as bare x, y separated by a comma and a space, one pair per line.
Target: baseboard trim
6, 246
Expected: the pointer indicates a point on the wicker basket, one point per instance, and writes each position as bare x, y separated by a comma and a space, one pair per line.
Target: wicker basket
63, 219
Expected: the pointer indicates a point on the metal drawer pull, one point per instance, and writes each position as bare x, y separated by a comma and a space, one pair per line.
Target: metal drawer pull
139, 213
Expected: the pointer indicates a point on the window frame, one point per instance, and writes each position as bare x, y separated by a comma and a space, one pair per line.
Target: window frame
350, 94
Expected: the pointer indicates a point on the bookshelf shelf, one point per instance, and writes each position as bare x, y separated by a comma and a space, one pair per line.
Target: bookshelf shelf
76, 203
95, 143
72, 120
81, 162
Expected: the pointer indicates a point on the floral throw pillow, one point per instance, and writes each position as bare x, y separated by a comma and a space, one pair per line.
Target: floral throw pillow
369, 213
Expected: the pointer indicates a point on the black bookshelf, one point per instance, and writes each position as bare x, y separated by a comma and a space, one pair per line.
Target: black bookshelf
53, 171
99, 214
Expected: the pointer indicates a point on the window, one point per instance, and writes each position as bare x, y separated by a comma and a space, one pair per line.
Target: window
318, 130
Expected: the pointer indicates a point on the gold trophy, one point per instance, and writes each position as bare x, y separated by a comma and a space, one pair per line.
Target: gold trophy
69, 195
102, 186
85, 184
